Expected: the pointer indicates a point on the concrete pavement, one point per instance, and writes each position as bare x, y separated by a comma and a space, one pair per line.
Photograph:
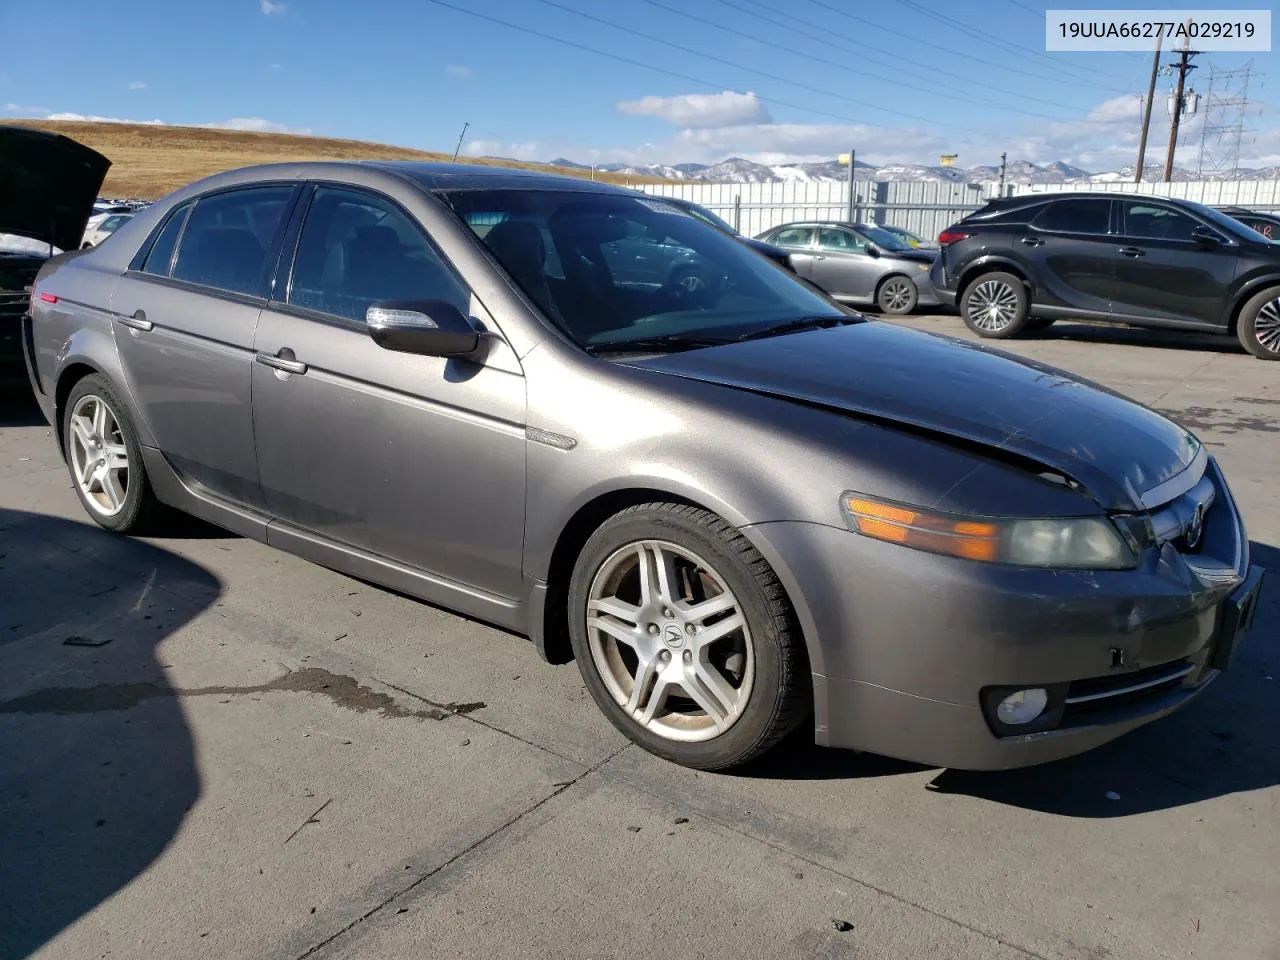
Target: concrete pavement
212, 749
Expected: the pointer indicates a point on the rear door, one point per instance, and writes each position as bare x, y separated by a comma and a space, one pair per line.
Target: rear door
1068, 247
185, 314
1162, 272
798, 242
417, 459
842, 265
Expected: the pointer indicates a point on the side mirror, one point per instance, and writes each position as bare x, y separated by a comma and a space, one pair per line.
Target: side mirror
873, 250
1205, 237
430, 328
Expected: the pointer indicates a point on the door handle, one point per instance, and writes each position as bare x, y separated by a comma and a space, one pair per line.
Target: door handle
1031, 241
820, 256
1133, 251
138, 321
281, 363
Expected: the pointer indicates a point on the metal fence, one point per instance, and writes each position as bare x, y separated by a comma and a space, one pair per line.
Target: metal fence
923, 208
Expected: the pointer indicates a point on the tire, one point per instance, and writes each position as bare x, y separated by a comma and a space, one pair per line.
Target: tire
759, 682
995, 306
690, 281
1258, 327
119, 498
896, 295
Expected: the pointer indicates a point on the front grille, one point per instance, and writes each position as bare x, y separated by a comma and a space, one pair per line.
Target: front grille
1086, 699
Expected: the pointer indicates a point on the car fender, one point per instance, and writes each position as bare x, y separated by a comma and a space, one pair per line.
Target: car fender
94, 347
989, 262
1247, 287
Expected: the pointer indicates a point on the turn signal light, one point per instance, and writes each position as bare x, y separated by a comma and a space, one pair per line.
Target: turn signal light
935, 532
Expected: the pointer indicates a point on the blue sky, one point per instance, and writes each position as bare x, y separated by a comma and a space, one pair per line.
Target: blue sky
888, 77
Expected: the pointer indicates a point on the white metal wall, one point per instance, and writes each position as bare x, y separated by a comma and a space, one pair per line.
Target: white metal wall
925, 208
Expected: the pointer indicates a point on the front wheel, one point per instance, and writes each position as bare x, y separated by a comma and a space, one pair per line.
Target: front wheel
897, 296
995, 306
1258, 328
685, 638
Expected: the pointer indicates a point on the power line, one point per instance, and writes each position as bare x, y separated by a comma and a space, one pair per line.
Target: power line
737, 66
700, 81
1019, 3
896, 81
950, 51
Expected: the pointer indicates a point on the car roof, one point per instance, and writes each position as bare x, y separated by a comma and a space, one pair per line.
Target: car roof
825, 223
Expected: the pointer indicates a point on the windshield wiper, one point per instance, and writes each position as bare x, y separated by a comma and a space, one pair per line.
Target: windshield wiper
671, 341
795, 326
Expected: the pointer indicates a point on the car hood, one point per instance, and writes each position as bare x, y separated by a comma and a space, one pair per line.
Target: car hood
914, 255
1114, 448
776, 254
48, 184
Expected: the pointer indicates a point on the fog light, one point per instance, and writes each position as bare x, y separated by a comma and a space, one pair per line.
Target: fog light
1022, 706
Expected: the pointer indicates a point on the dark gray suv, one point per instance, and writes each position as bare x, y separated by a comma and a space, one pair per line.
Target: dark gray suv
741, 508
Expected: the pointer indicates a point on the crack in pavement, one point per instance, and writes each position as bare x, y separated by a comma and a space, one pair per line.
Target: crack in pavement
344, 691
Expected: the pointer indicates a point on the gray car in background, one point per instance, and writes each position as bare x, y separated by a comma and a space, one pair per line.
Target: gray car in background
858, 263
741, 508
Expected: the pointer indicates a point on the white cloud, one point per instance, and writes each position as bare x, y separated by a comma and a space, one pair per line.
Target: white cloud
272, 9
511, 151
137, 85
93, 118
277, 66
25, 109
460, 72
255, 125
700, 110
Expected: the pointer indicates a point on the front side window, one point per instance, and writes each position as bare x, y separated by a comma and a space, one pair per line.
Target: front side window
793, 237
1146, 221
160, 256
229, 236
702, 283
1075, 216
841, 241
357, 248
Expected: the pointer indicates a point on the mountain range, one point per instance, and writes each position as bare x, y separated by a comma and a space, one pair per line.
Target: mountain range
738, 170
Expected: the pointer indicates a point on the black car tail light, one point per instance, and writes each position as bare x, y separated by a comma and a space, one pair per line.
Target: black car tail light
951, 236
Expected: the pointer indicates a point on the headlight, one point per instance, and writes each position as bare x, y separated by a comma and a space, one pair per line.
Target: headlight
1070, 543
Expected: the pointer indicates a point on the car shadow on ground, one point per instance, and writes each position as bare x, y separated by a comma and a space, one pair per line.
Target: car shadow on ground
18, 407
1226, 741
1135, 336
97, 769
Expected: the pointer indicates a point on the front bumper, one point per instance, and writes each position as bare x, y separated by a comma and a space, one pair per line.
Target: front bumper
905, 645
926, 296
942, 294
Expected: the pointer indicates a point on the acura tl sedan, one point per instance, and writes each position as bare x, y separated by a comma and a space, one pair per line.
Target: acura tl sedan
740, 508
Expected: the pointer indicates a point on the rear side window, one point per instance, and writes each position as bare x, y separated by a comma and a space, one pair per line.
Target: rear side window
793, 237
1075, 216
357, 248
229, 236
161, 254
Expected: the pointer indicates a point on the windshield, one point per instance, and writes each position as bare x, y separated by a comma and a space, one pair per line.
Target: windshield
610, 269
1232, 226
883, 238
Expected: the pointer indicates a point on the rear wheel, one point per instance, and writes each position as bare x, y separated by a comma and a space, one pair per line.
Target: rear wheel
104, 457
1258, 328
995, 306
897, 295
685, 638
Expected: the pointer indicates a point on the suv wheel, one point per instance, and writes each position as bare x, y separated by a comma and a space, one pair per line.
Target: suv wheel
995, 306
1259, 325
685, 638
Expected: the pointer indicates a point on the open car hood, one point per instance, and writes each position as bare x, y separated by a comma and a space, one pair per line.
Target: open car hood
1116, 449
48, 184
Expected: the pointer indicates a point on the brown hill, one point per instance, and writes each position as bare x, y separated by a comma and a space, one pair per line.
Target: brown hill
150, 160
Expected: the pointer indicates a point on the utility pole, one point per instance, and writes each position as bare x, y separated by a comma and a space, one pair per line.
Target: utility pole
1003, 159
1183, 66
853, 198
460, 136
1146, 114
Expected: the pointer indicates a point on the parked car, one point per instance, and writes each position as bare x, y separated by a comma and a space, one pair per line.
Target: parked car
858, 263
47, 186
739, 508
99, 228
913, 240
776, 254
1267, 224
1148, 261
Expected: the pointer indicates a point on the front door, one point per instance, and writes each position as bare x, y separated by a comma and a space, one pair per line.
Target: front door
416, 459
1162, 272
842, 265
185, 320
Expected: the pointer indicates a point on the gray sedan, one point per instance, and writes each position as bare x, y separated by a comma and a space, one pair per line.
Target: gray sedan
741, 508
859, 263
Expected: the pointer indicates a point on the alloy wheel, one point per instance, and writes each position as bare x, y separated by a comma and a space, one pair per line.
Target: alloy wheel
895, 296
99, 457
1266, 326
993, 305
670, 641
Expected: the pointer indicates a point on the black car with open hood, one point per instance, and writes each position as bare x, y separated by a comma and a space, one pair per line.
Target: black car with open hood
48, 184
